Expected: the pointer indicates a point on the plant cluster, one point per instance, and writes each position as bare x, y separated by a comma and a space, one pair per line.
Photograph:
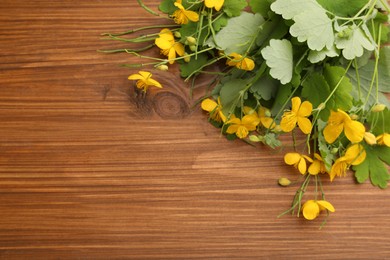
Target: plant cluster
316, 68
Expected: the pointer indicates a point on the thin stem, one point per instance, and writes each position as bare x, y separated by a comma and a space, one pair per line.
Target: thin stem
140, 29
147, 8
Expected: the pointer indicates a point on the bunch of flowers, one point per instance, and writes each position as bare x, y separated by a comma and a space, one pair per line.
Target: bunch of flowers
316, 69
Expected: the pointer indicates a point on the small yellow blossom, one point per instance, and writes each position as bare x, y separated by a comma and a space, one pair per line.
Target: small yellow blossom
240, 62
318, 165
383, 139
339, 121
354, 155
265, 119
217, 4
298, 160
144, 80
182, 16
298, 115
214, 108
166, 42
312, 208
369, 138
241, 127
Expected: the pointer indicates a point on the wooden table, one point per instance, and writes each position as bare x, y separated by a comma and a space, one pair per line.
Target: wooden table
89, 171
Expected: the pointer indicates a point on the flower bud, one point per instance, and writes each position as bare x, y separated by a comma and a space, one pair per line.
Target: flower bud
370, 138
334, 150
378, 108
187, 58
267, 113
284, 182
354, 116
177, 34
191, 40
193, 47
321, 106
162, 67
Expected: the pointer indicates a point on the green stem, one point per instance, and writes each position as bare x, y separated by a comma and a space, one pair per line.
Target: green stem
140, 29
127, 50
147, 8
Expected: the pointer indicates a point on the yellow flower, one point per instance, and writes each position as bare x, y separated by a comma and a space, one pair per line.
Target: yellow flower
339, 121
298, 160
354, 155
241, 127
312, 208
265, 119
383, 139
217, 4
144, 80
317, 166
166, 42
214, 108
298, 115
182, 16
240, 62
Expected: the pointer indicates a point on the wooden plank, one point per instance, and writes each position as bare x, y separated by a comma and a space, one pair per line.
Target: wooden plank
90, 171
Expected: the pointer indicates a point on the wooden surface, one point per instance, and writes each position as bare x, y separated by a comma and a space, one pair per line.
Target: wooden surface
88, 171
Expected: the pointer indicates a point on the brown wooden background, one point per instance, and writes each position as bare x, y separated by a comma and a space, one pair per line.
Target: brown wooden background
88, 171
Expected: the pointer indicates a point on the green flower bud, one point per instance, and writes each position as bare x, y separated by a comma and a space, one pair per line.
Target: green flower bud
334, 150
378, 108
192, 47
187, 58
177, 34
191, 40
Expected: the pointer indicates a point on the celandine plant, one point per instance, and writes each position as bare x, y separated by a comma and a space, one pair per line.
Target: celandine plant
313, 67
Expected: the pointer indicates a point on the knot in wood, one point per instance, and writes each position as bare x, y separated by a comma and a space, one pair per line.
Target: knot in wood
170, 106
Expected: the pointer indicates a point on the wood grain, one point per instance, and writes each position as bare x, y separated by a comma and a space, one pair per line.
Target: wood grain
90, 171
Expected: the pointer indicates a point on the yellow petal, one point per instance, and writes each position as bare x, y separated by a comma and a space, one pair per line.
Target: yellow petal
304, 124
163, 44
305, 109
145, 74
354, 131
268, 122
192, 16
386, 139
218, 4
369, 138
250, 121
232, 129
339, 168
325, 204
331, 132
179, 48
209, 105
171, 56
153, 82
302, 166
246, 64
135, 77
310, 210
288, 122
318, 157
355, 154
314, 168
292, 158
295, 104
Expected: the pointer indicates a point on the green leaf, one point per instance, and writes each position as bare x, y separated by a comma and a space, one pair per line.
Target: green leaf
317, 56
272, 140
284, 92
373, 167
336, 77
279, 58
167, 6
290, 8
324, 148
365, 78
378, 122
265, 87
261, 6
343, 7
314, 27
238, 35
186, 68
317, 87
353, 44
221, 22
231, 94
234, 7
274, 28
